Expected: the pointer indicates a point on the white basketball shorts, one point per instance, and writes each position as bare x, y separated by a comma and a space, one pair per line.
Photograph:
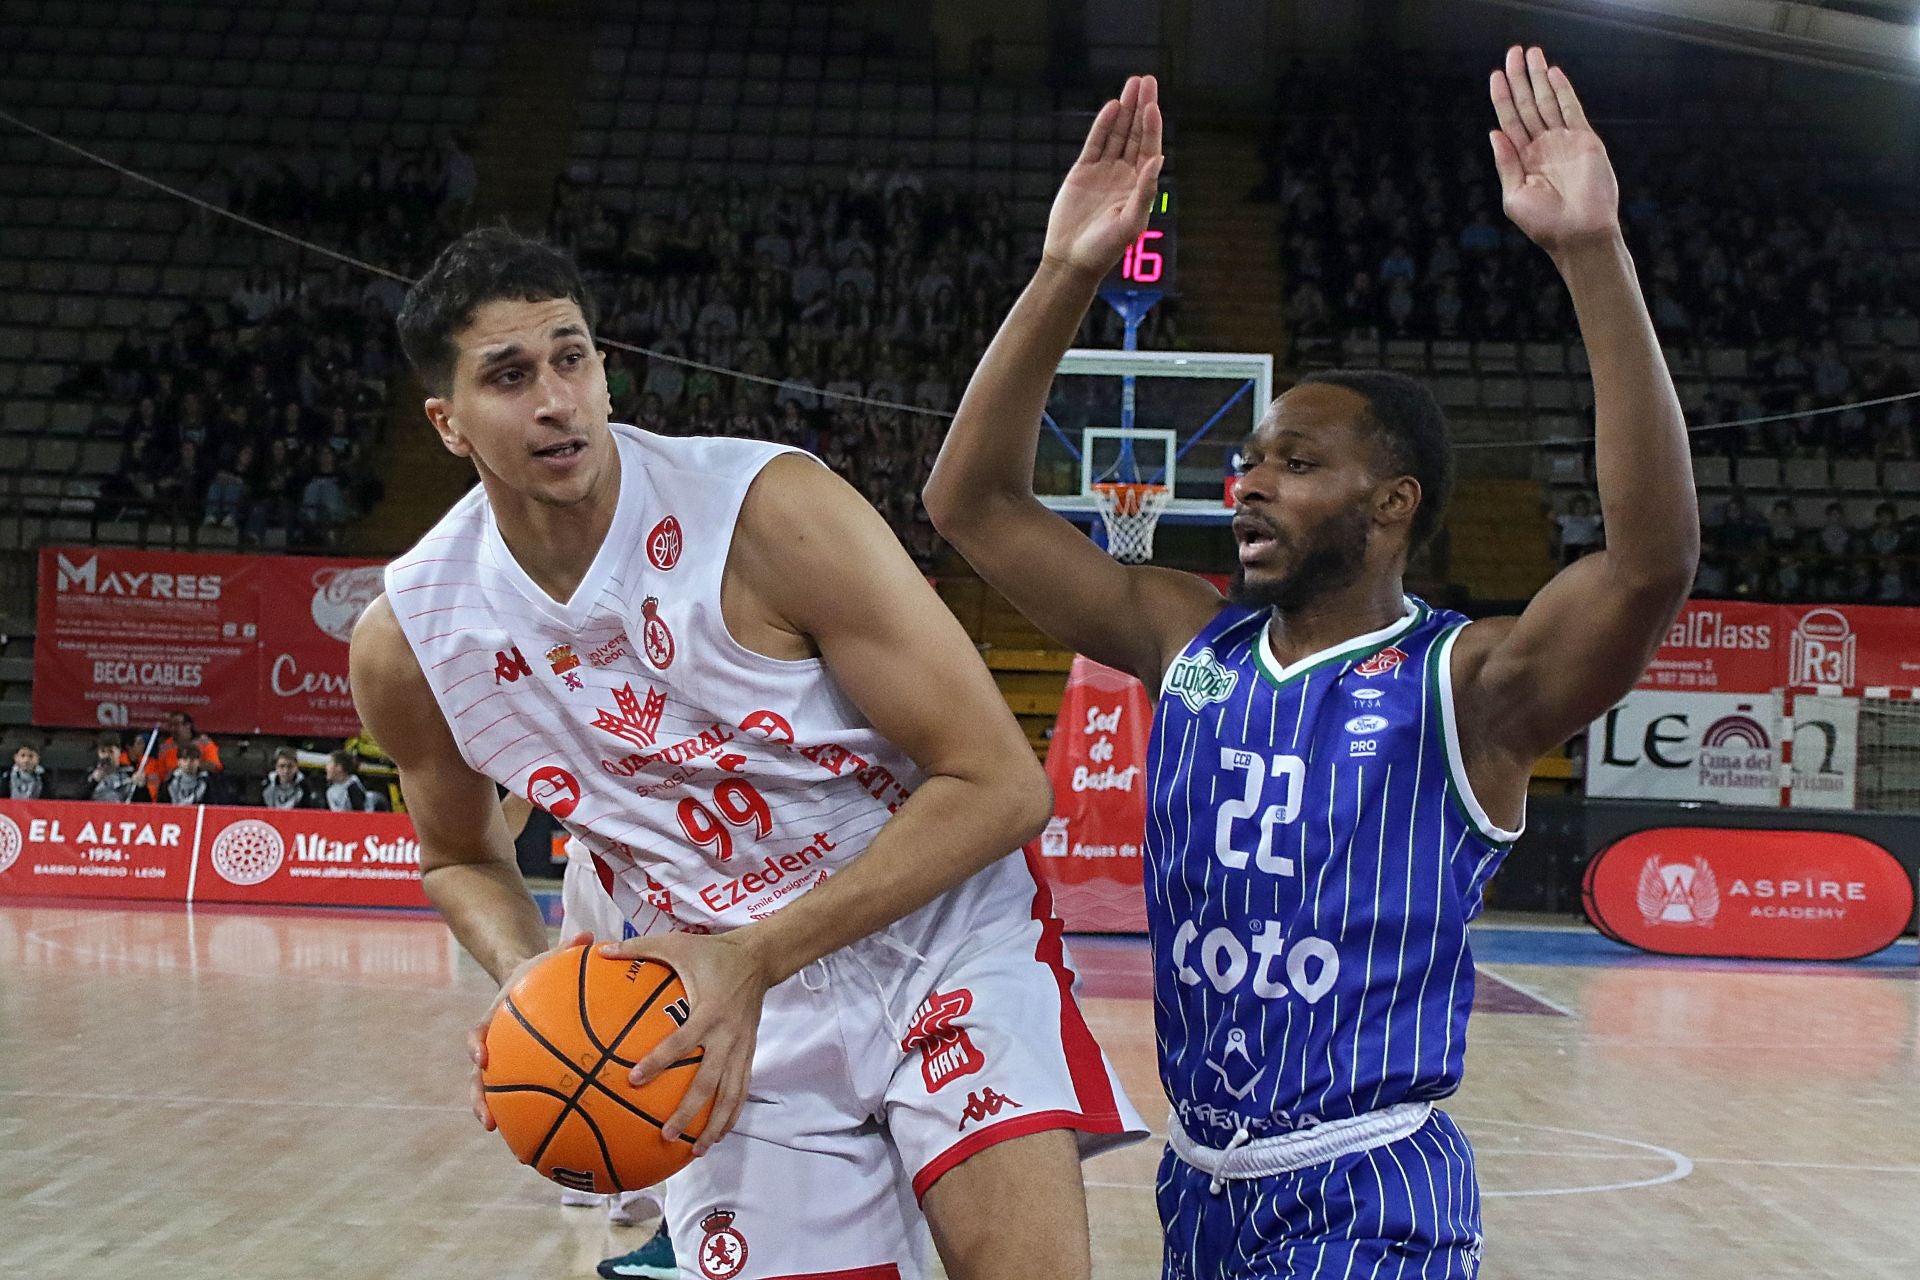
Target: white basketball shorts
878, 1070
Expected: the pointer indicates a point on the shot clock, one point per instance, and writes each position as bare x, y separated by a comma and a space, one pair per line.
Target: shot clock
1148, 263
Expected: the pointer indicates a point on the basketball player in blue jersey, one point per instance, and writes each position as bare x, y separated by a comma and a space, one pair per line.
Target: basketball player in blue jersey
1336, 769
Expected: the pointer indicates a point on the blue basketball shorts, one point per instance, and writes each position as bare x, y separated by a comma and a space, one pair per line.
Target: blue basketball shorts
1408, 1209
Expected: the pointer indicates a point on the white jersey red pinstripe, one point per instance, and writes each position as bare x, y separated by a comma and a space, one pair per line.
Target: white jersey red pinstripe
712, 786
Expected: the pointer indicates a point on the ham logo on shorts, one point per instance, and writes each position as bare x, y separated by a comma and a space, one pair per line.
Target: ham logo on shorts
946, 1051
723, 1251
664, 543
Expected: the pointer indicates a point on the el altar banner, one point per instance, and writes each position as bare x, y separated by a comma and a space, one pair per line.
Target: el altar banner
193, 853
1091, 852
245, 644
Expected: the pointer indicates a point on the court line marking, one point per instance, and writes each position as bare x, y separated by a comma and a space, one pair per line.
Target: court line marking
1529, 992
227, 1101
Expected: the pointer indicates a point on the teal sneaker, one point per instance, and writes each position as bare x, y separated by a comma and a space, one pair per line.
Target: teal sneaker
651, 1261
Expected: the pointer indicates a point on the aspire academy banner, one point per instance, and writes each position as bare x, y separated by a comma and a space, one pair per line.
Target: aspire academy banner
245, 644
1091, 852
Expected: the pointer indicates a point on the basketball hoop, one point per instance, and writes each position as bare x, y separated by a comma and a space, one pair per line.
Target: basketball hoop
1130, 512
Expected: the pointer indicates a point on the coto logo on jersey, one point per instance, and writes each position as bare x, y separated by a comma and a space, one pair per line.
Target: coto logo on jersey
664, 544
1199, 679
1678, 892
723, 1250
946, 1051
553, 789
1382, 662
654, 636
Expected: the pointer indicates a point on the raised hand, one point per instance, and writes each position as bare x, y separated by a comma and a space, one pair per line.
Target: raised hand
1103, 204
1556, 182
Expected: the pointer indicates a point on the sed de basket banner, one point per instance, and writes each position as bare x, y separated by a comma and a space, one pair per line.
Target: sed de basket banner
1752, 894
181, 853
246, 644
1091, 854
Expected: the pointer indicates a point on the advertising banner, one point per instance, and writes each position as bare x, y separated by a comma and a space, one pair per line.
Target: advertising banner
1687, 746
1826, 747
1091, 852
1787, 895
1729, 646
246, 644
78, 849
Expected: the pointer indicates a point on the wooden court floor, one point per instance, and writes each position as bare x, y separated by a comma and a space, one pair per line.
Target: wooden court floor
234, 1094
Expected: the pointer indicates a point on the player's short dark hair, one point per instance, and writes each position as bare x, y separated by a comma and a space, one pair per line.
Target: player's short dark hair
285, 753
188, 751
1408, 421
107, 739
485, 265
346, 760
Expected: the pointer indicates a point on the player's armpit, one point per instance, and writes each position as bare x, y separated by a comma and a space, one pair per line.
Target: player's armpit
1135, 618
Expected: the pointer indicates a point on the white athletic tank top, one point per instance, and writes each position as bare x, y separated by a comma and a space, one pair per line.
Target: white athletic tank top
711, 785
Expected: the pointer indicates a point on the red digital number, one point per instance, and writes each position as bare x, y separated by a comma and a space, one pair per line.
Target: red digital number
1141, 264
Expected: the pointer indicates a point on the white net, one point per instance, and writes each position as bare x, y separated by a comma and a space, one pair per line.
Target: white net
1889, 759
1131, 512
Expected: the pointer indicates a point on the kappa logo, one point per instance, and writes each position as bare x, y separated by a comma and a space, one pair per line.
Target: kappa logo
565, 665
984, 1105
509, 665
1678, 892
1200, 678
664, 544
654, 636
946, 1051
723, 1250
1382, 662
630, 721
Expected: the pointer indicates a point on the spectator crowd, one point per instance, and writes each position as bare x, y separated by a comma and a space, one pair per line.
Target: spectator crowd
262, 410
882, 287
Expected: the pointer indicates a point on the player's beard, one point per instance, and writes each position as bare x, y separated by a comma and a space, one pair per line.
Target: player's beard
1331, 558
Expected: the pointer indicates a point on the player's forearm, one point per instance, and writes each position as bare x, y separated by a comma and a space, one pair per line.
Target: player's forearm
950, 830
989, 451
1642, 467
489, 910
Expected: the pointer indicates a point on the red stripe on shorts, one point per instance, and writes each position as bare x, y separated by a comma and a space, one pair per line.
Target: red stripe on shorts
886, 1271
1084, 1063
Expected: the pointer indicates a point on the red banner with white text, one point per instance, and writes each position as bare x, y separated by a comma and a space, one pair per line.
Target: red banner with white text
78, 849
1731, 646
245, 644
1091, 852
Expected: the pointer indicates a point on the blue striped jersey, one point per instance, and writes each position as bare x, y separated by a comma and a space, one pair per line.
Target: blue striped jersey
1313, 856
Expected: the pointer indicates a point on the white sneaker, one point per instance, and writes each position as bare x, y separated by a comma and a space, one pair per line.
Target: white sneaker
570, 1199
629, 1209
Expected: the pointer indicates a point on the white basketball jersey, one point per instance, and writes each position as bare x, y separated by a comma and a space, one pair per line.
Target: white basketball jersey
711, 784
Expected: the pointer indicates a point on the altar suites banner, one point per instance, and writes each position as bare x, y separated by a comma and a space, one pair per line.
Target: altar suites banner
168, 853
1729, 646
245, 644
1091, 852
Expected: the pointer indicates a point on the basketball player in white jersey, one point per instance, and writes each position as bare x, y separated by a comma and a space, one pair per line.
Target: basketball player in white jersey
712, 662
1336, 769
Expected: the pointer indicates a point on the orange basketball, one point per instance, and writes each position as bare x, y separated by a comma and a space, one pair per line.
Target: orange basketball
558, 1052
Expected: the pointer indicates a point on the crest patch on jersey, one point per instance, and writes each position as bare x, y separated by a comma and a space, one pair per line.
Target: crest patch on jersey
1200, 678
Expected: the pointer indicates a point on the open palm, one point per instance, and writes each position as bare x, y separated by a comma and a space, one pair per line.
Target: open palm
1556, 182
1102, 206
